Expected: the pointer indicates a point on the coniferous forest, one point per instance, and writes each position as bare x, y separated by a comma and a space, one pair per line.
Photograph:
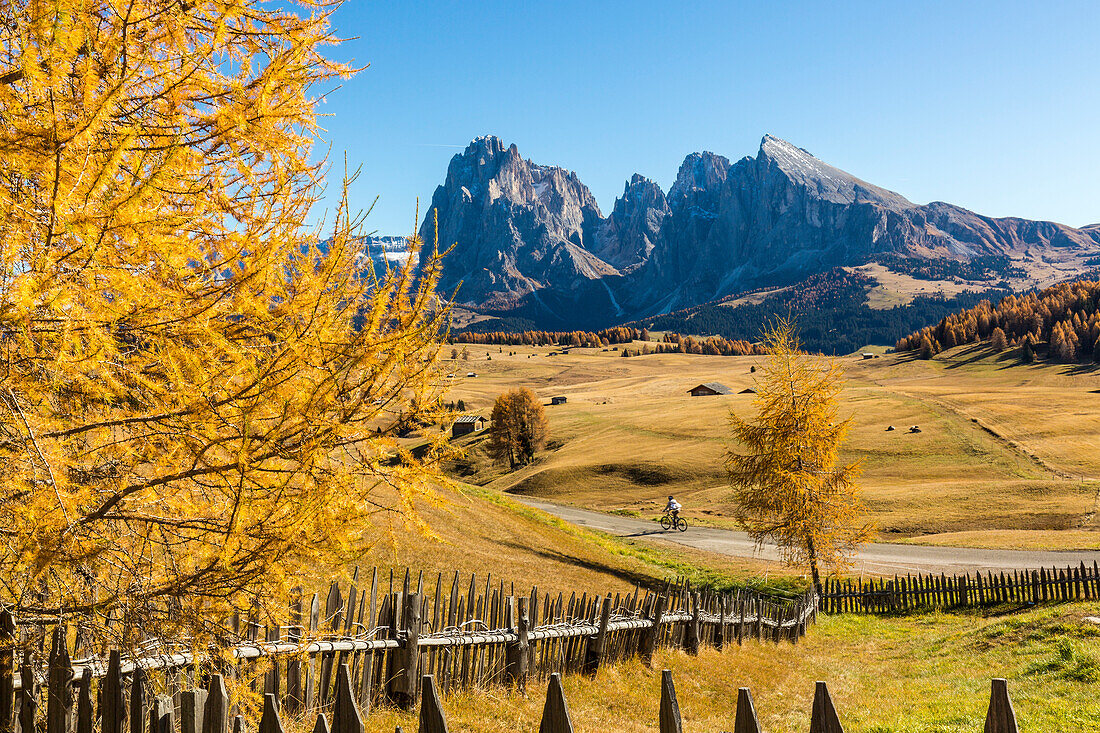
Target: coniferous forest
1065, 318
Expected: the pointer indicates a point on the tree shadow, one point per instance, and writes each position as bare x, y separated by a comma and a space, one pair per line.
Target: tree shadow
1084, 368
973, 353
635, 578
904, 357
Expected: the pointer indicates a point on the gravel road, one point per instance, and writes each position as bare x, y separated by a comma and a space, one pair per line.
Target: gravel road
874, 558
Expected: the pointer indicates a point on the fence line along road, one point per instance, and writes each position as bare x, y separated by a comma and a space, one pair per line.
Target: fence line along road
1080, 583
472, 636
876, 557
341, 679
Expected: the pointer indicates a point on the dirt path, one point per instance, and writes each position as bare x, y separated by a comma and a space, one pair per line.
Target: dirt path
876, 558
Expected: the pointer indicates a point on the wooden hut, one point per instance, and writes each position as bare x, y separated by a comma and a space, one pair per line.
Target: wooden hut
709, 389
466, 424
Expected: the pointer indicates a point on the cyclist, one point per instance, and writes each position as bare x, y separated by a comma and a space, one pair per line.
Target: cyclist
673, 507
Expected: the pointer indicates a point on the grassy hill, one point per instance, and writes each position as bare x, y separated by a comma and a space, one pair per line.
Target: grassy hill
480, 530
1007, 455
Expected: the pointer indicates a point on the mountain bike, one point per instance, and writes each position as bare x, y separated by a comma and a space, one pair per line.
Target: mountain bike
668, 521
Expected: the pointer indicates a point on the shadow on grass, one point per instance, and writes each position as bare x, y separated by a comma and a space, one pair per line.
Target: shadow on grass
642, 580
969, 355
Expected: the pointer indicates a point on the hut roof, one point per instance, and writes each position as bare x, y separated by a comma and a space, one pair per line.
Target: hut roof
713, 386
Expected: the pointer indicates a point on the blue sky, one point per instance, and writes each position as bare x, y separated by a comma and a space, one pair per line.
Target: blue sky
994, 106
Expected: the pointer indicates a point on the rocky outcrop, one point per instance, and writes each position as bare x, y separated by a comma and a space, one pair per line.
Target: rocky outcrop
516, 227
629, 234
529, 239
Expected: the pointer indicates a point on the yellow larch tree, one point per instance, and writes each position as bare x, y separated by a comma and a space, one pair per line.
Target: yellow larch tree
518, 427
197, 399
787, 485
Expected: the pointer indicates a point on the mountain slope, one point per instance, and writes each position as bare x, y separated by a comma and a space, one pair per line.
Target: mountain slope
531, 243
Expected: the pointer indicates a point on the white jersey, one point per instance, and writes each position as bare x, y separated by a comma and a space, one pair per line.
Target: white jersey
673, 506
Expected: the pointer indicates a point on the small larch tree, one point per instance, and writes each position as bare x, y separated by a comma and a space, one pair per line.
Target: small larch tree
997, 340
788, 487
518, 427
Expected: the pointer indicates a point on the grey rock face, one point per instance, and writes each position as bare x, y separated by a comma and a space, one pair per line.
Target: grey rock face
516, 227
530, 238
629, 234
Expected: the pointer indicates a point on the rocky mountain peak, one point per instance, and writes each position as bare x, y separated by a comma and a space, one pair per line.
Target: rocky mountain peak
515, 225
699, 179
824, 181
630, 233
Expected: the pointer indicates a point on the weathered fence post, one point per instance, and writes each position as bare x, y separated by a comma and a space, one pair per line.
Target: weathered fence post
597, 645
59, 697
162, 715
648, 641
334, 606
670, 708
555, 713
85, 712
215, 716
691, 642
745, 720
192, 703
345, 716
824, 719
405, 685
1000, 718
137, 700
27, 699
110, 695
432, 719
269, 721
516, 655
720, 630
294, 698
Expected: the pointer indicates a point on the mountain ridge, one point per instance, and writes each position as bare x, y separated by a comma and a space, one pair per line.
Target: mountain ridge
530, 240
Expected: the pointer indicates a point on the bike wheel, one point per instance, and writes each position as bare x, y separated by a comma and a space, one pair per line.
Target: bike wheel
666, 522
682, 524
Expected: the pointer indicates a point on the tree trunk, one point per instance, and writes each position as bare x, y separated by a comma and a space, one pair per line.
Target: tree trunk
814, 573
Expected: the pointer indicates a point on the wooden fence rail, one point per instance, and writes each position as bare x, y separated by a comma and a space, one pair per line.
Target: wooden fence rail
326, 662
960, 591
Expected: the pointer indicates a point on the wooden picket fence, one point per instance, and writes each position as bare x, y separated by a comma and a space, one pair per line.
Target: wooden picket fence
556, 718
330, 663
900, 594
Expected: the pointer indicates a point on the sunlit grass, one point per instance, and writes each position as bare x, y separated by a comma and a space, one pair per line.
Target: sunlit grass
910, 674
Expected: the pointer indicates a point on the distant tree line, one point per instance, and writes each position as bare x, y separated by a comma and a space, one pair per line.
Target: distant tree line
671, 343
984, 267
592, 339
1065, 317
674, 343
